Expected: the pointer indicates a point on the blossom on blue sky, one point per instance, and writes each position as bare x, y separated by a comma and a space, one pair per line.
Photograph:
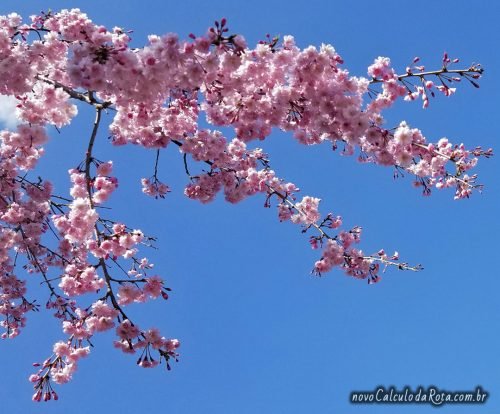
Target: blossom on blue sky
258, 332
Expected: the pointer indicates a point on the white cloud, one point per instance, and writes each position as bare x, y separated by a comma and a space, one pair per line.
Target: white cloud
8, 117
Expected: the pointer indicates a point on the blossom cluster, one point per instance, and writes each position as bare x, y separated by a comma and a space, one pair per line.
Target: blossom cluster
24, 208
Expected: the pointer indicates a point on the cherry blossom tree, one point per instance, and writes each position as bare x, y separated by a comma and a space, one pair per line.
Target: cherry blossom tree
154, 97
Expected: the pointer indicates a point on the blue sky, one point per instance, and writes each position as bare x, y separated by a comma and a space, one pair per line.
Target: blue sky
258, 332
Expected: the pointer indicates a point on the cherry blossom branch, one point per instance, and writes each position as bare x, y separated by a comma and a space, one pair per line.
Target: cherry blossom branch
88, 156
286, 199
381, 72
473, 70
153, 186
155, 174
88, 178
87, 97
109, 293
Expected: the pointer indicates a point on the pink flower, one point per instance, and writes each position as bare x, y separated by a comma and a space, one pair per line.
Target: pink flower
307, 211
153, 287
126, 330
172, 344
61, 349
129, 293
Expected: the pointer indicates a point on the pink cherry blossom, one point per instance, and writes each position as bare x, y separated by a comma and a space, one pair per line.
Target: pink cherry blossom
157, 97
